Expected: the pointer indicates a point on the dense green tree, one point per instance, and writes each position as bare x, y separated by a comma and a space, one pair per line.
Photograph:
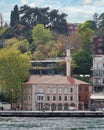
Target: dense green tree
10, 42
24, 19
2, 31
83, 61
14, 43
58, 22
37, 55
29, 16
19, 31
41, 35
14, 70
9, 33
87, 31
76, 42
14, 16
101, 20
32, 16
52, 19
22, 45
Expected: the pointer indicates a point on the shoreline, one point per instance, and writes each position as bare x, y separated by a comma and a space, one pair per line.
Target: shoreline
51, 114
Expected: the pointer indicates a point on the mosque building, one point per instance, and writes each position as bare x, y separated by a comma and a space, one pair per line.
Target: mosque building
56, 92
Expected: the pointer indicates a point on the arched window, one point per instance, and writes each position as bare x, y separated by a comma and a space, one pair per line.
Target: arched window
46, 106
71, 90
65, 98
66, 106
53, 107
59, 106
72, 104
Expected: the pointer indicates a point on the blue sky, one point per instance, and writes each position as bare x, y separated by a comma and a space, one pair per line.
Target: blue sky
78, 11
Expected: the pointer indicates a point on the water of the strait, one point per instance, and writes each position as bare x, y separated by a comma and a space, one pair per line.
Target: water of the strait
16, 123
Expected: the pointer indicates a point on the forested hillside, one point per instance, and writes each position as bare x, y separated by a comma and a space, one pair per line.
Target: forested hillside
42, 33
38, 33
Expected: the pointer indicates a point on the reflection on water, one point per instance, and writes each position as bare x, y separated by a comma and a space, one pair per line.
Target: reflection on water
15, 123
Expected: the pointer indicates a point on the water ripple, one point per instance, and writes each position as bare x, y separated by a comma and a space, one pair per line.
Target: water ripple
16, 123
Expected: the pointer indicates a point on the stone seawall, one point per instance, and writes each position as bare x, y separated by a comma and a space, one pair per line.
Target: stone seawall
51, 114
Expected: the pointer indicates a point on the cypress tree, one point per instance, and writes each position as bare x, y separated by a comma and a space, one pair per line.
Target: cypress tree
14, 16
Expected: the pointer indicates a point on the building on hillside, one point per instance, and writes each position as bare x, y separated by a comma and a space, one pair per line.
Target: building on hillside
72, 27
56, 92
97, 97
47, 66
98, 46
98, 73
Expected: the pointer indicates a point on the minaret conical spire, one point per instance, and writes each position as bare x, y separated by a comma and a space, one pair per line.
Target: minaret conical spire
68, 59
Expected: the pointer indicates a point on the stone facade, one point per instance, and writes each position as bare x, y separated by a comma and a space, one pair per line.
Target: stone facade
54, 93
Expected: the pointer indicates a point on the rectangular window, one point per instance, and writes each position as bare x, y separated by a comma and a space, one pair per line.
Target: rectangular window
71, 98
79, 98
71, 90
54, 98
40, 98
48, 98
59, 98
65, 98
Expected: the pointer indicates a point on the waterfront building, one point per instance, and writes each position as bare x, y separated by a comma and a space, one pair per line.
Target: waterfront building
56, 92
97, 97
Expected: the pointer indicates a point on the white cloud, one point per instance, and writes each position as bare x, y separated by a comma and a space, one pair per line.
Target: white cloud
80, 12
87, 1
32, 4
45, 3
23, 2
99, 3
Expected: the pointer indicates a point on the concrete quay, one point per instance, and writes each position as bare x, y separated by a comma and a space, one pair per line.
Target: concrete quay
51, 114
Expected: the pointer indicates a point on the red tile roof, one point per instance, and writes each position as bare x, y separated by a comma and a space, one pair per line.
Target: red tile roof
53, 79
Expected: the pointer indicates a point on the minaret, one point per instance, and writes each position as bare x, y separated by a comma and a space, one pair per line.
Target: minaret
68, 60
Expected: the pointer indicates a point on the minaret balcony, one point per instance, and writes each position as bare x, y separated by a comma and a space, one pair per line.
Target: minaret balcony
68, 59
